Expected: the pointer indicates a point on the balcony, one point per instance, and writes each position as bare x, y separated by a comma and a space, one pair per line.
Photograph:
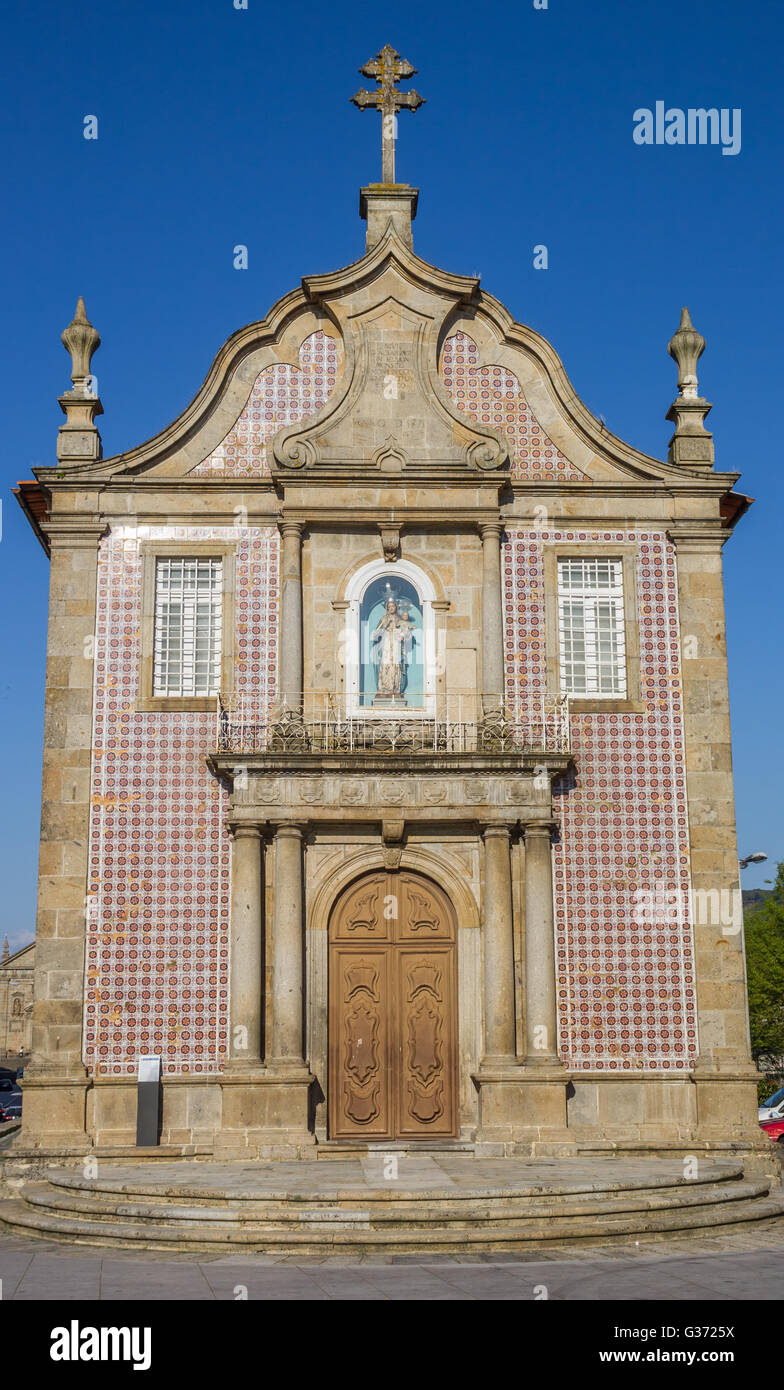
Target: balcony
323, 725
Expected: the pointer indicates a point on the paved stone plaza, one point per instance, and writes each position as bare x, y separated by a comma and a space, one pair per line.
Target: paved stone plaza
747, 1266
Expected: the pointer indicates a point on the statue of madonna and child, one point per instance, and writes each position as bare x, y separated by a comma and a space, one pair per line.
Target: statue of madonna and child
392, 645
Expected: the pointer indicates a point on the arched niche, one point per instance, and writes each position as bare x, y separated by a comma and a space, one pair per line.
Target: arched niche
369, 592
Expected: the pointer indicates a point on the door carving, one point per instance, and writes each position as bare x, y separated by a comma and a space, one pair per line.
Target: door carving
392, 1010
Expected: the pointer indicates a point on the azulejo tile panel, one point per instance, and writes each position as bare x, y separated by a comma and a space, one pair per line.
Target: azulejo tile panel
493, 396
159, 886
625, 975
281, 395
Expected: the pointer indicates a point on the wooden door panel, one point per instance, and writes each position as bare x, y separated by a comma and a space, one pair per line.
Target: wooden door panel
359, 1043
362, 914
424, 913
392, 1011
426, 1044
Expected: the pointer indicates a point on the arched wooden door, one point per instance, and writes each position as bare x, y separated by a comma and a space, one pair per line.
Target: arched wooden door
392, 1010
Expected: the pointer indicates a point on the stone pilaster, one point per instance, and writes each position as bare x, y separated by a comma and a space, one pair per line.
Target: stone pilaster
722, 1019
247, 988
492, 618
291, 616
287, 1044
499, 1049
541, 1012
55, 1077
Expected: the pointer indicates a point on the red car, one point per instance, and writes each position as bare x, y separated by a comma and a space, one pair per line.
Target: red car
774, 1129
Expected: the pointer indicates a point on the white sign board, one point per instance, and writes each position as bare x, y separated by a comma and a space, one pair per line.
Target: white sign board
149, 1068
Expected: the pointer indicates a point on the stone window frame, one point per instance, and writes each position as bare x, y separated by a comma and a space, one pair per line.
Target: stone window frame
627, 553
150, 552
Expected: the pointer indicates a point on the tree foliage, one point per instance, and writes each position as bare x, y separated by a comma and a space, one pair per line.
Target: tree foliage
764, 932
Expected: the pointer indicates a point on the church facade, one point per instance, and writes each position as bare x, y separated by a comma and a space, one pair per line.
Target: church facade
387, 778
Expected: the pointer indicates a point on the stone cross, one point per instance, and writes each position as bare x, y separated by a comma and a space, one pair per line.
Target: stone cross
388, 68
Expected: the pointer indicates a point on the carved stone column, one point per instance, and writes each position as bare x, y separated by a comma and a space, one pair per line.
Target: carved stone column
291, 673
247, 987
287, 1046
492, 618
266, 1108
541, 1012
498, 950
519, 1104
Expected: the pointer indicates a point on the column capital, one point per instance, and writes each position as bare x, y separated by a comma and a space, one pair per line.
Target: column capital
243, 830
293, 828
499, 829
490, 528
539, 830
289, 527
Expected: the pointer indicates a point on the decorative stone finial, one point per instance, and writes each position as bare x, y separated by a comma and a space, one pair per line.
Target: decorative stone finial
81, 340
6, 952
78, 440
686, 347
691, 444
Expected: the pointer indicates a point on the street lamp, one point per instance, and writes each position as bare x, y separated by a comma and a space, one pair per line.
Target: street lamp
752, 859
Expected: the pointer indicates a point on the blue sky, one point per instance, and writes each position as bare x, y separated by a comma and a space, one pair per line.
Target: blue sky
220, 126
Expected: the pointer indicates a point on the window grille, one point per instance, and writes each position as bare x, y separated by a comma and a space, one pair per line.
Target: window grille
188, 612
591, 626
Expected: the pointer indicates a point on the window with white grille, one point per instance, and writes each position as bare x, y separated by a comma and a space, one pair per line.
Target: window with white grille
591, 626
188, 618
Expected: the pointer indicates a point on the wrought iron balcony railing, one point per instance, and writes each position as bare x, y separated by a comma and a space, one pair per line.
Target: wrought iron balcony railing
324, 724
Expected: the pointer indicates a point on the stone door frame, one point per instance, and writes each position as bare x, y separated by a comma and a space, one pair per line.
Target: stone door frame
445, 873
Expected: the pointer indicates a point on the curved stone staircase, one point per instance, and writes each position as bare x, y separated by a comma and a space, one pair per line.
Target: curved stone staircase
455, 1205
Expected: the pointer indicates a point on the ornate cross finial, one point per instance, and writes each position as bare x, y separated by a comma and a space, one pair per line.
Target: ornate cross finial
388, 68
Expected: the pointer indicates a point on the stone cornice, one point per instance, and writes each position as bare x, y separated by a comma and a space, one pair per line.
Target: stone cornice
77, 533
691, 537
294, 763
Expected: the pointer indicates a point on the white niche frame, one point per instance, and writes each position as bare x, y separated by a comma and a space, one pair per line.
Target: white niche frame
355, 592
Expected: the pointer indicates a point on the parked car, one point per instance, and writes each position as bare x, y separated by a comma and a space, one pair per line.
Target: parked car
772, 1107
774, 1129
10, 1099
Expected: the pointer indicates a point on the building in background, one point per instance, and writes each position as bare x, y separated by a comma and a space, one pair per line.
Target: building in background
387, 777
16, 1000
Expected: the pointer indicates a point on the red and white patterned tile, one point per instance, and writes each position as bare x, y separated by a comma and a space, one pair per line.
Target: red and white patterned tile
158, 904
281, 395
625, 975
493, 396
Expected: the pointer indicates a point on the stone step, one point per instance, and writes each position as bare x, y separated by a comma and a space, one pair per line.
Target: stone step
384, 1210
337, 1150
301, 1183
19, 1217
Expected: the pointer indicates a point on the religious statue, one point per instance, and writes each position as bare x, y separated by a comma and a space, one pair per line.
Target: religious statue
392, 644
